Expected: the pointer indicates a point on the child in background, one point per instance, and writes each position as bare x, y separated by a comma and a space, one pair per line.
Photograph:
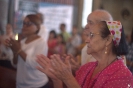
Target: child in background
61, 45
52, 42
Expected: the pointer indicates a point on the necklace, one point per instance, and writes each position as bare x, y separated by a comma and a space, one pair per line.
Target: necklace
95, 80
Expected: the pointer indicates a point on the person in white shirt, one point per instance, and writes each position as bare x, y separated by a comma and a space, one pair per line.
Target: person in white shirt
43, 31
73, 42
25, 54
6, 52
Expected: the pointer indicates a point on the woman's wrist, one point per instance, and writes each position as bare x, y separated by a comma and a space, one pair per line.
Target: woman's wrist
18, 51
57, 83
56, 80
72, 83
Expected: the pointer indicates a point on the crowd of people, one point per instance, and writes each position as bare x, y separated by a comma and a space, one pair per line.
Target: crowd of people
93, 58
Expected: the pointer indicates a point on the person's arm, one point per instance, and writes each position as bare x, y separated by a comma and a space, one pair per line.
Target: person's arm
22, 54
64, 75
45, 67
15, 59
16, 48
57, 84
71, 83
63, 71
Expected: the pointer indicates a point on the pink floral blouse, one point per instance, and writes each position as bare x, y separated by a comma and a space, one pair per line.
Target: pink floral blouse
116, 75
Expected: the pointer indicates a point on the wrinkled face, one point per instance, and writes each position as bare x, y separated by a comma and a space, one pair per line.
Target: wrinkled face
91, 21
29, 27
95, 42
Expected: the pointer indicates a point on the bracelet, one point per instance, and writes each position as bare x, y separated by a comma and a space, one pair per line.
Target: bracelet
19, 51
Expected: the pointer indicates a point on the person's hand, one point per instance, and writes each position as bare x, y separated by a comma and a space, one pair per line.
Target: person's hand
46, 68
75, 63
13, 44
60, 69
6, 42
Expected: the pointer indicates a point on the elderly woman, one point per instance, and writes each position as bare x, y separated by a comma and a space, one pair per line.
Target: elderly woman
25, 54
106, 43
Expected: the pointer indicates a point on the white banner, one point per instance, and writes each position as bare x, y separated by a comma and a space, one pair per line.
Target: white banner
55, 14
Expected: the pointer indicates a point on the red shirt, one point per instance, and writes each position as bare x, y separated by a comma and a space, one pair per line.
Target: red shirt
51, 45
116, 75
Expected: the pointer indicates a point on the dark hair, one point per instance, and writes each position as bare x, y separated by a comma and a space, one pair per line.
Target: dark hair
53, 32
63, 24
131, 37
34, 18
122, 48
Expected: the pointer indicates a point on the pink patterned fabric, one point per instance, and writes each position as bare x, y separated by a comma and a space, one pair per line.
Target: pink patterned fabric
115, 29
116, 75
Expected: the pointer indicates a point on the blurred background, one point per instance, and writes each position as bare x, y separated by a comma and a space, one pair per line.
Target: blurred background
70, 12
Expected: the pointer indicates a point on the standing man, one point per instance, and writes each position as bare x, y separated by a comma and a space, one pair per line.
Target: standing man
73, 42
43, 31
66, 35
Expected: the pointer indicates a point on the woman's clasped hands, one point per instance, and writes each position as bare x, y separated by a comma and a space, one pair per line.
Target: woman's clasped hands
54, 67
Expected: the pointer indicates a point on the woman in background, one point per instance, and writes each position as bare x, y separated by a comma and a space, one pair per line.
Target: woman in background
52, 42
61, 45
25, 54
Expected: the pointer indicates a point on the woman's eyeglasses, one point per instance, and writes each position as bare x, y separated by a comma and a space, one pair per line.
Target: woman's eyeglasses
28, 23
91, 35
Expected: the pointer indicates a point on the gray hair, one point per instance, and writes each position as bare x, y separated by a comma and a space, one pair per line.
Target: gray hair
103, 15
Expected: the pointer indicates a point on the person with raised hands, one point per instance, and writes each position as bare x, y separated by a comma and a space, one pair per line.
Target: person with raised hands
25, 53
107, 71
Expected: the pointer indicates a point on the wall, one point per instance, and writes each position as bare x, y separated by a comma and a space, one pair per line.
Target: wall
116, 7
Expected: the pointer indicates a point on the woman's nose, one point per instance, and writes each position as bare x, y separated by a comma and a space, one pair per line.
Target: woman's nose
86, 27
87, 40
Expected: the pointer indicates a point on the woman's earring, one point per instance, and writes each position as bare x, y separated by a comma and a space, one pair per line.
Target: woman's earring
106, 50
